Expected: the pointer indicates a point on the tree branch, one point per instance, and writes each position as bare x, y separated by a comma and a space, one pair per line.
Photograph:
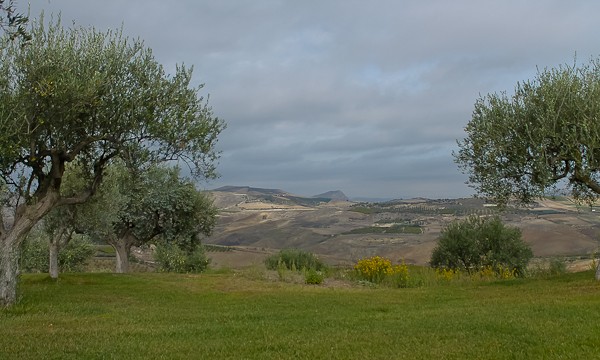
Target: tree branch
94, 185
585, 179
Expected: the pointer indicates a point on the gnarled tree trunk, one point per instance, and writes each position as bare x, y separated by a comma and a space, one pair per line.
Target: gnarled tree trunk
122, 252
10, 242
122, 246
9, 271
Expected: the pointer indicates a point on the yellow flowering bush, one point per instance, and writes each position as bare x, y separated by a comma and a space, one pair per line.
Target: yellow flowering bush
400, 276
496, 272
375, 269
505, 272
447, 274
484, 273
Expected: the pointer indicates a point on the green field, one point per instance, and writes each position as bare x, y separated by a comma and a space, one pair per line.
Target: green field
236, 316
394, 229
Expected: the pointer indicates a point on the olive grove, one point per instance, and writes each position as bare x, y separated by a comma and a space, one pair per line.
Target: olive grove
79, 94
139, 205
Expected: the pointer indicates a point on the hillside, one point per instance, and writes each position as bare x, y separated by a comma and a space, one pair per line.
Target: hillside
336, 195
273, 198
257, 222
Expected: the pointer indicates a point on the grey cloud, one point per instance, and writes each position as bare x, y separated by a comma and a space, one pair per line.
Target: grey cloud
366, 97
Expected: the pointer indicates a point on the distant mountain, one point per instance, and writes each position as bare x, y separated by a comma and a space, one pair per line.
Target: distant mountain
336, 195
370, 199
274, 196
250, 190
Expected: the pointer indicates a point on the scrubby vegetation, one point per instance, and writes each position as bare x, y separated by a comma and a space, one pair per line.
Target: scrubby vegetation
314, 277
377, 269
475, 244
73, 257
174, 258
295, 259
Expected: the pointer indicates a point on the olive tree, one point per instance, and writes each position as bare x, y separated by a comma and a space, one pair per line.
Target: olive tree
63, 222
73, 256
147, 203
13, 22
78, 94
545, 134
59, 227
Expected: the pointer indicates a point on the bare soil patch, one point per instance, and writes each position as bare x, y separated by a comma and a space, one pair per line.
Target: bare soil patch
258, 228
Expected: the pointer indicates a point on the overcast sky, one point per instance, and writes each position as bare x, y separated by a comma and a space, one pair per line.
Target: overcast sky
368, 97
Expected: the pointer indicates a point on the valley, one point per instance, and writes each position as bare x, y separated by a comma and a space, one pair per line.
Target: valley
254, 223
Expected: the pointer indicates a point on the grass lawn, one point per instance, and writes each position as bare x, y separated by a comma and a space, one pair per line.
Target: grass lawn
232, 316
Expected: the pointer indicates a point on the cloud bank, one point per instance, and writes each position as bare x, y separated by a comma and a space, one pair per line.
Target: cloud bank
365, 97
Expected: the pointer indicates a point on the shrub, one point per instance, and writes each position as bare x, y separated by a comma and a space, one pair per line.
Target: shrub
172, 258
35, 253
76, 254
475, 243
447, 274
314, 277
295, 259
71, 258
548, 268
557, 267
399, 278
375, 269
491, 273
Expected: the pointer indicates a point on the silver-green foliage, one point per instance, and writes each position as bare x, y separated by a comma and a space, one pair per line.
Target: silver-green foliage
518, 146
79, 94
12, 22
295, 259
71, 258
474, 243
148, 203
174, 258
313, 277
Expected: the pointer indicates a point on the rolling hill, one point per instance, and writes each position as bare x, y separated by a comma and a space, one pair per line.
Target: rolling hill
256, 222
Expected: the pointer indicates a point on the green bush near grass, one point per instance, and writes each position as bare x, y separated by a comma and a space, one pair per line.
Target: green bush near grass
72, 257
172, 258
477, 243
547, 268
295, 259
314, 277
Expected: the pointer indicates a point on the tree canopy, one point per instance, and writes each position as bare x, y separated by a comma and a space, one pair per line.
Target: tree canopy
79, 94
144, 205
545, 134
12, 21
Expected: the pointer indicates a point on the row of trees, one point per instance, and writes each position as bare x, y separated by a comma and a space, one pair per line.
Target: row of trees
98, 106
135, 205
